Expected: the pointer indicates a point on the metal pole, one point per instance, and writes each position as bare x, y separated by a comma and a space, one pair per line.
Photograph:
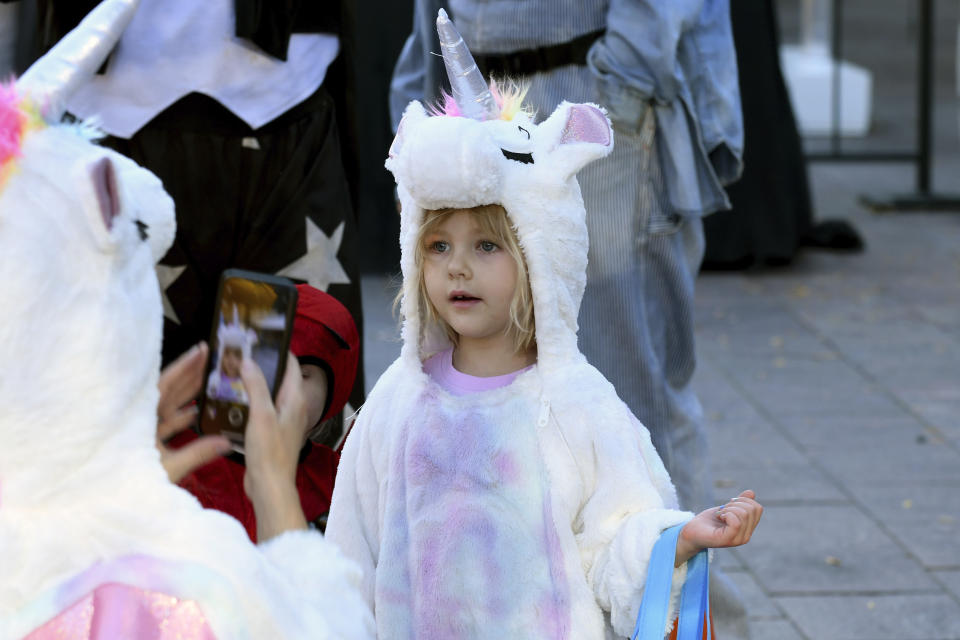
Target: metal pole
925, 94
922, 199
836, 49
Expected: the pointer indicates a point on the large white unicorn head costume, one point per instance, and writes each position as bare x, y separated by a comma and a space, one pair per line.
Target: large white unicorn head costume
87, 515
81, 228
481, 150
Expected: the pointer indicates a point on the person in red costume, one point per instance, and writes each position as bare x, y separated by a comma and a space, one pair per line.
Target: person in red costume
326, 344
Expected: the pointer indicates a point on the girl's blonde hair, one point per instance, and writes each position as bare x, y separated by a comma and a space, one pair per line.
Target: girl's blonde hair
493, 220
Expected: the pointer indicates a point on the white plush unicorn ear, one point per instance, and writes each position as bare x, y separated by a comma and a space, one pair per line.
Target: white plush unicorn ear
573, 136
413, 113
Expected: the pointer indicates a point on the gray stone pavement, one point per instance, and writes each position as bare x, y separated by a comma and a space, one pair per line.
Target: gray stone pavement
832, 388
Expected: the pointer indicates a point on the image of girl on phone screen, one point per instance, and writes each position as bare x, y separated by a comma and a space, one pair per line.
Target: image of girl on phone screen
234, 341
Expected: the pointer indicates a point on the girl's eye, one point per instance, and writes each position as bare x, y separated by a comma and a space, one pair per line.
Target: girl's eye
438, 246
487, 247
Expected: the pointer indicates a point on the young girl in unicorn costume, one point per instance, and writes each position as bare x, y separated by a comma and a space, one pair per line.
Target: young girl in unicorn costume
235, 342
95, 542
494, 485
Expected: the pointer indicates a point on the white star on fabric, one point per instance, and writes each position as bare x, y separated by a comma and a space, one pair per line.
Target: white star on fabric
167, 275
319, 265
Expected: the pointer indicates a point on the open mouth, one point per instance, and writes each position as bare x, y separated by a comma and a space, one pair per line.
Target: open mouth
463, 297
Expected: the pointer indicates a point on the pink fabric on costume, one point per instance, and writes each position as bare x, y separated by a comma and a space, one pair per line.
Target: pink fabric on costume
586, 123
440, 368
12, 123
121, 611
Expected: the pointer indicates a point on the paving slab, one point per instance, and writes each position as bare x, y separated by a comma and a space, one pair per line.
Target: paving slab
780, 629
726, 560
926, 520
951, 579
768, 464
897, 617
747, 452
759, 604
828, 549
807, 386
890, 458
723, 404
946, 316
937, 406
750, 331
815, 433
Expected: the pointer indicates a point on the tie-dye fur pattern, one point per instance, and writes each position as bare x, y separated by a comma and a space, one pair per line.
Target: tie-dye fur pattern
476, 551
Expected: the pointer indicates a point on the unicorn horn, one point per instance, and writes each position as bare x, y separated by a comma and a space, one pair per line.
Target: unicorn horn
73, 60
470, 90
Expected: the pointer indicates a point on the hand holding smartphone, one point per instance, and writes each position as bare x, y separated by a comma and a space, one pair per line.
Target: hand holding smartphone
253, 318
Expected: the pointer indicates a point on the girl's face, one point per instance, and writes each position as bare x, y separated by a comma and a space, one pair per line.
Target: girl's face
469, 278
232, 359
314, 387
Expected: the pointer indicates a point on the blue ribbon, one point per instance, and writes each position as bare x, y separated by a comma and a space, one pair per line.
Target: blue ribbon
694, 598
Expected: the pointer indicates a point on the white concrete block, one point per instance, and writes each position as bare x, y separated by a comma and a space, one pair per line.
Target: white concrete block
809, 75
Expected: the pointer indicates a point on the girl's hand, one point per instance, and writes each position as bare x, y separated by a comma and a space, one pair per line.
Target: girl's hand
179, 384
728, 526
272, 443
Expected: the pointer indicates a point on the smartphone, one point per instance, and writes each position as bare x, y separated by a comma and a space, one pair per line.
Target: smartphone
253, 318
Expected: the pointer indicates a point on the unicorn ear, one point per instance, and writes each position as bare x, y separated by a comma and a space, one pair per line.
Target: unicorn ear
574, 135
587, 123
413, 113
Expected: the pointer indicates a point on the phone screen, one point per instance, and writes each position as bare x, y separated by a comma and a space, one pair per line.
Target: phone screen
253, 318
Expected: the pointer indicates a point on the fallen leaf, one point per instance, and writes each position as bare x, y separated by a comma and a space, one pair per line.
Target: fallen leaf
871, 605
832, 561
907, 504
776, 342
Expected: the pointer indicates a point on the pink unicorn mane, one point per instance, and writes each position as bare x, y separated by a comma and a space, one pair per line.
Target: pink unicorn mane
17, 116
13, 122
509, 98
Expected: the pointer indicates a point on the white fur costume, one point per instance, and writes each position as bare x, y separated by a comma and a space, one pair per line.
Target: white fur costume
84, 500
527, 511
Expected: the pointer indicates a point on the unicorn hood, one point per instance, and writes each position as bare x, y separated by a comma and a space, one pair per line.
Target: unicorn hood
88, 517
482, 148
